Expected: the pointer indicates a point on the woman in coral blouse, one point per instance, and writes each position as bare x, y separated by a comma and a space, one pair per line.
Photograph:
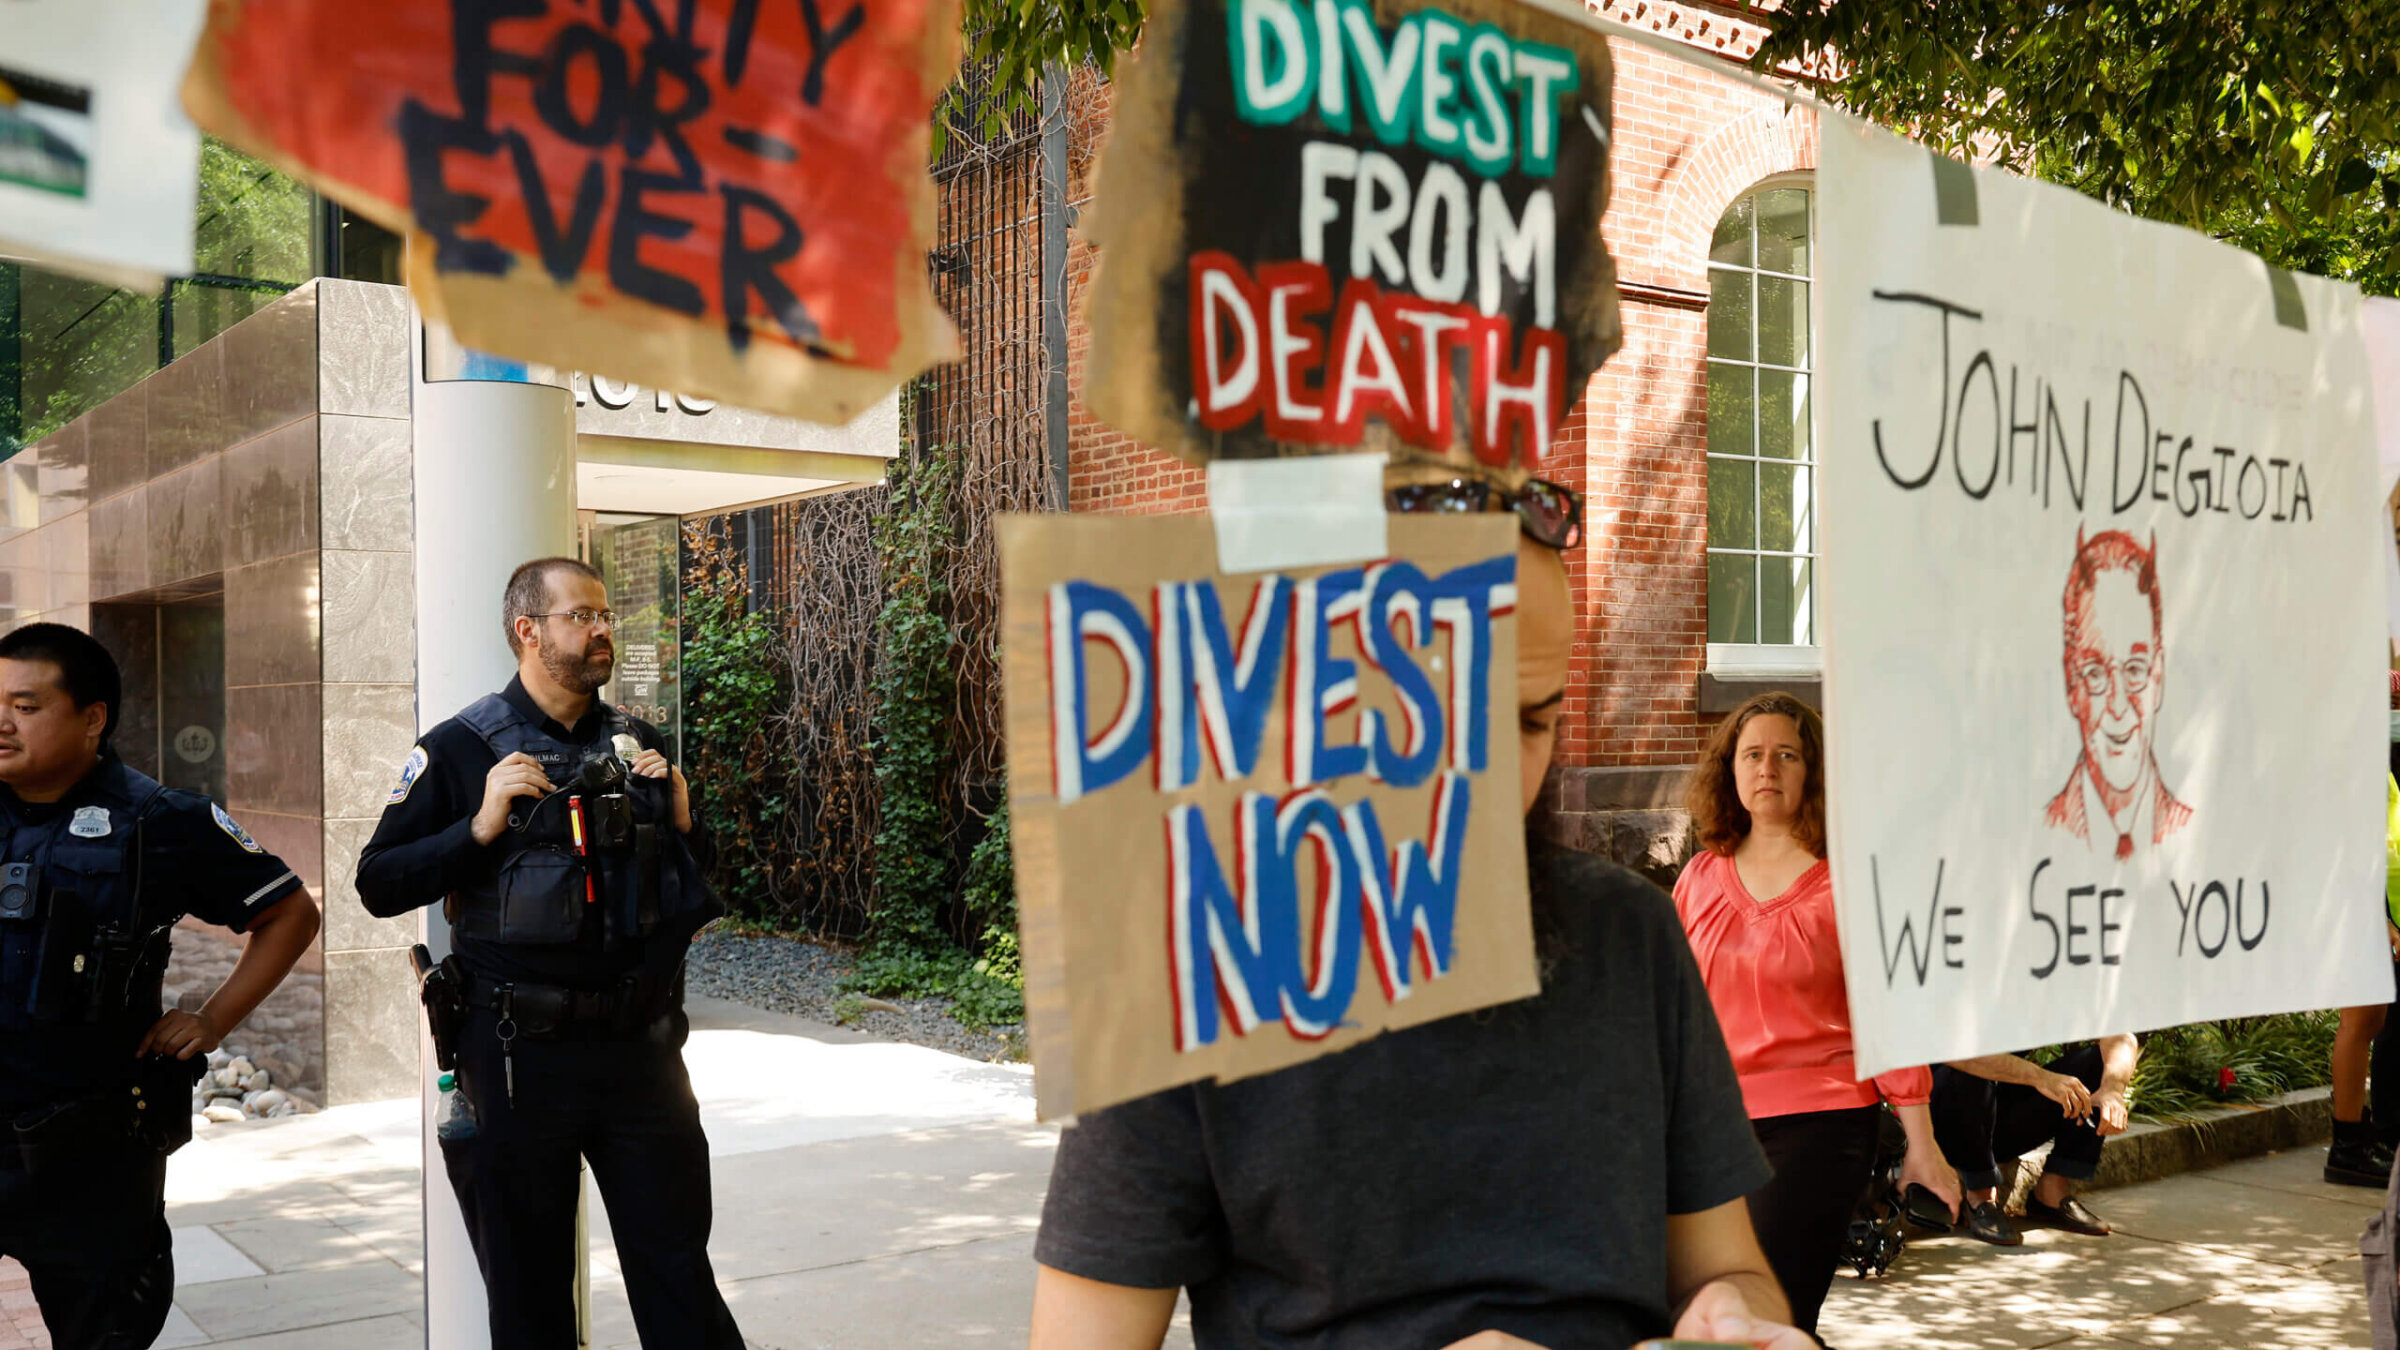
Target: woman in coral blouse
1757, 903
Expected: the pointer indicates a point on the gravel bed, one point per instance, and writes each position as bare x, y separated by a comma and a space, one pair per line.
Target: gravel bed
803, 977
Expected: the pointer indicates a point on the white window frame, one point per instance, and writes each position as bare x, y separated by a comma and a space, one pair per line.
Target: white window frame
1778, 660
1765, 659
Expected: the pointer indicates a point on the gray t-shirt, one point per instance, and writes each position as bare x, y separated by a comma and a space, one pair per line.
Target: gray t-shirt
1508, 1170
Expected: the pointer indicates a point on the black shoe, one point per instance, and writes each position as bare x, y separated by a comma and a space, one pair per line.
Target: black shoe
2071, 1214
1925, 1209
2357, 1158
1985, 1222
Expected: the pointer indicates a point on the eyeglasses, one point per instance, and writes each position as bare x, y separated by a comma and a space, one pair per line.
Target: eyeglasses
1548, 513
581, 618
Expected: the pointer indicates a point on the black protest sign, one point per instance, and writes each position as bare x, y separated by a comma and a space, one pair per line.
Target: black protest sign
1330, 225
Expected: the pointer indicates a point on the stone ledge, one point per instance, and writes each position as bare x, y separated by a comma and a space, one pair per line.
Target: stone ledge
1720, 694
2149, 1151
1653, 843
1574, 789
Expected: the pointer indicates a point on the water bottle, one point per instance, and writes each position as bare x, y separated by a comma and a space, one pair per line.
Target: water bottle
457, 1121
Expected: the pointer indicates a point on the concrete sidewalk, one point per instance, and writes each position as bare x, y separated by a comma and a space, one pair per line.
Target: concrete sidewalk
867, 1194
877, 1196
2260, 1253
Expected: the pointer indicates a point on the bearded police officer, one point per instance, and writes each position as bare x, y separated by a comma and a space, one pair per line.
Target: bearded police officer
95, 1085
560, 843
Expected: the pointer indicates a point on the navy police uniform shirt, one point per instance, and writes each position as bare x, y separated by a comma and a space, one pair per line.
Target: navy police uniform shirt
195, 860
424, 848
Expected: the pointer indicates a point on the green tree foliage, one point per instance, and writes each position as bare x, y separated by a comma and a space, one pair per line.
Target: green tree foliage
81, 343
2271, 124
1020, 40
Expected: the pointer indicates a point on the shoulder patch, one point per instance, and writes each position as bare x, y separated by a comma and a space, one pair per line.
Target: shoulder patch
409, 773
233, 831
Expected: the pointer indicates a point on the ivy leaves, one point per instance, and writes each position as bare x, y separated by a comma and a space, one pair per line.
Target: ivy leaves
910, 951
915, 686
1016, 41
2272, 124
735, 687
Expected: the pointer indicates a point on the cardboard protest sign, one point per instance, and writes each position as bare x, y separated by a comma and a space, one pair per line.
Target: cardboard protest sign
99, 168
1256, 819
716, 196
2103, 624
1349, 225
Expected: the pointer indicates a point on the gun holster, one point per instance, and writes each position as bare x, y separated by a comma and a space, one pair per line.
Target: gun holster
443, 989
162, 1100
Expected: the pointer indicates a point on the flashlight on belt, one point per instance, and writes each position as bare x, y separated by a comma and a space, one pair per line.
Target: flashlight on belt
582, 847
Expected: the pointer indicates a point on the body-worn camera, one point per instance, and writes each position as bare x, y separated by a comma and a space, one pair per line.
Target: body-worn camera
20, 897
608, 810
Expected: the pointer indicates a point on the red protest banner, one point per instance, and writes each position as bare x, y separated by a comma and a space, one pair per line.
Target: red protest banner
724, 197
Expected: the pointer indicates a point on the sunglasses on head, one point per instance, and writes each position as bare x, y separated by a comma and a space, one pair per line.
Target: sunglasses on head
1547, 513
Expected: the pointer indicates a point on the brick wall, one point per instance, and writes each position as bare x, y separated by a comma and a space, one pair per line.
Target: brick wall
1108, 471
1686, 143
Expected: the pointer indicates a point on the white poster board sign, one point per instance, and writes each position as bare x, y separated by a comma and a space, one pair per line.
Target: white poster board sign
2379, 319
99, 167
2103, 617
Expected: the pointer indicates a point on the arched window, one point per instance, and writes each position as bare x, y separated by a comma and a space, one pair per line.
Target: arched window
1762, 535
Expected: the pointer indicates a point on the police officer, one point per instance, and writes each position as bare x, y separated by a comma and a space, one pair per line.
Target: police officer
560, 843
95, 1084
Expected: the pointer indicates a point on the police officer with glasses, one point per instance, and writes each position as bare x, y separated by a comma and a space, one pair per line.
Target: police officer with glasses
561, 845
95, 1081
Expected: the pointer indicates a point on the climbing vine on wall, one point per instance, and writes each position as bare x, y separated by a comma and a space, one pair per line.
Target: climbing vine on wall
929, 931
735, 686
915, 686
887, 598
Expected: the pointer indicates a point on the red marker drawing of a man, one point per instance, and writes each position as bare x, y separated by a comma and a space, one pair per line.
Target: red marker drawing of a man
2116, 665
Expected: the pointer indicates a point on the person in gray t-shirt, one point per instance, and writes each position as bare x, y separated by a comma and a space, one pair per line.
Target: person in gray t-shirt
1559, 1173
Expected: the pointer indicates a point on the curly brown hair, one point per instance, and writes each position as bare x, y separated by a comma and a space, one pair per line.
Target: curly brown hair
1718, 817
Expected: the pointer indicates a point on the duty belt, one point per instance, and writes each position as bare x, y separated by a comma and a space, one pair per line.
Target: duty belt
546, 1009
153, 1110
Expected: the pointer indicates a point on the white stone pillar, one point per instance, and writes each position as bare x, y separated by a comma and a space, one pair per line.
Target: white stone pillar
495, 486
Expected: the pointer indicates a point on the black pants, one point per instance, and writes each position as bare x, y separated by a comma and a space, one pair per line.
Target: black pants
625, 1105
1979, 1122
1822, 1160
93, 1237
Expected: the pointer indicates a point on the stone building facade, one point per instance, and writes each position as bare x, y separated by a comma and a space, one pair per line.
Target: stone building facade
239, 528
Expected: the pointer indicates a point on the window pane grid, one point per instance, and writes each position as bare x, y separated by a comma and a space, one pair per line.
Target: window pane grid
1761, 452
1761, 272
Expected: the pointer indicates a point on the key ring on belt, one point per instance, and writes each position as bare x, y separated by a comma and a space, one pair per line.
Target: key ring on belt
507, 1032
